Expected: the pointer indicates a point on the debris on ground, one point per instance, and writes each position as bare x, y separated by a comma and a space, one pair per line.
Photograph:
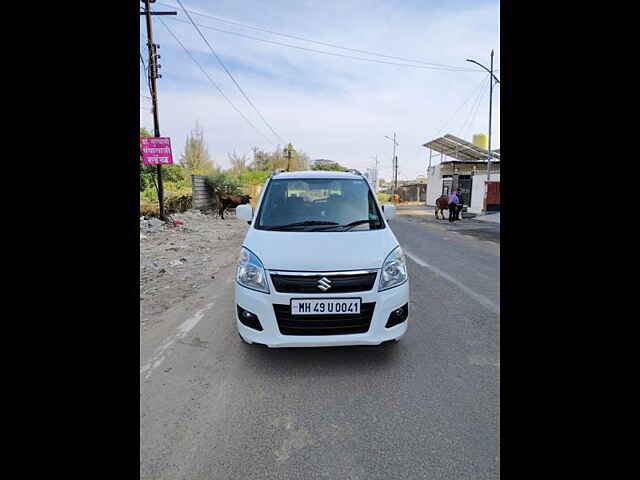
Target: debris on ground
181, 256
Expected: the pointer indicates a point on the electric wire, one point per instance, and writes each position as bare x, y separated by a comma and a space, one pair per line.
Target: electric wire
146, 72
231, 75
213, 82
454, 69
326, 44
474, 110
474, 92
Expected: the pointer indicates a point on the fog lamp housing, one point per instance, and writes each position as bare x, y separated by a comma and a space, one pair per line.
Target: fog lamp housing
249, 319
398, 316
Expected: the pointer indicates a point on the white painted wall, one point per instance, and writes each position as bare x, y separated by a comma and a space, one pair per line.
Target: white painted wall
434, 185
478, 189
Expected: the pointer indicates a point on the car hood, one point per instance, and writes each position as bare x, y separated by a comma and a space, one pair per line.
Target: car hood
321, 251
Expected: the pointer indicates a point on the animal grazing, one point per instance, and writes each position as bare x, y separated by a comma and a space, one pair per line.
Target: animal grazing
442, 203
226, 201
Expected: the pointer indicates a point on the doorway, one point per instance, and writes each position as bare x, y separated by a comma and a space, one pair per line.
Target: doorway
464, 184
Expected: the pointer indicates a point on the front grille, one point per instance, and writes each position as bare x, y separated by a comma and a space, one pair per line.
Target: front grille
323, 324
309, 283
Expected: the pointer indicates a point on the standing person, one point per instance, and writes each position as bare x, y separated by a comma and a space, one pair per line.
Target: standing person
459, 206
453, 206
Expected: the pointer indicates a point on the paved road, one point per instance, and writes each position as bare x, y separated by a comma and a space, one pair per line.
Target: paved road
428, 407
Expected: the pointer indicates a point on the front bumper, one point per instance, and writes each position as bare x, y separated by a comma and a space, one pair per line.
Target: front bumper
261, 304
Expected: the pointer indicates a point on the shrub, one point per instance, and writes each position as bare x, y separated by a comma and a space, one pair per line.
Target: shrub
254, 177
223, 182
149, 209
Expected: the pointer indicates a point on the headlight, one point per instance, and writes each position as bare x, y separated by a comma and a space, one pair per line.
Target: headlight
250, 272
394, 270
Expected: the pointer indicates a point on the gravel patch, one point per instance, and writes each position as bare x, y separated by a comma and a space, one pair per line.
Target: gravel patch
177, 260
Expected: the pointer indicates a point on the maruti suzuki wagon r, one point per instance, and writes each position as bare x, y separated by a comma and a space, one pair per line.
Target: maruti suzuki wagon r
319, 265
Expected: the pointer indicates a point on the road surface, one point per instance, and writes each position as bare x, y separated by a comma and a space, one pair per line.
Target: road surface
427, 407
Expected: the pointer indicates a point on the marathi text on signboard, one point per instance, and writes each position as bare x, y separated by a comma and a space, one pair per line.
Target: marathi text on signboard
156, 151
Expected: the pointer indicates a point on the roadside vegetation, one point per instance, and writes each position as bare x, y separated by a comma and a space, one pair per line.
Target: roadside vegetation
243, 177
384, 197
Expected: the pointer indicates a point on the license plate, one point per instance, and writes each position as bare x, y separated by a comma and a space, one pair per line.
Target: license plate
325, 306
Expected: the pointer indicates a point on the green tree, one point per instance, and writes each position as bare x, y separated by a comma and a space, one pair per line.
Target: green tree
147, 172
278, 159
238, 162
329, 166
223, 182
196, 156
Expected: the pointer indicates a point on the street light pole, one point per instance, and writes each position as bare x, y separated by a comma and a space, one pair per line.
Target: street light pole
491, 79
490, 105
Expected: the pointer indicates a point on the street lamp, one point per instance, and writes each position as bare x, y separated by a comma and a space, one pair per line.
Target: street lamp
490, 105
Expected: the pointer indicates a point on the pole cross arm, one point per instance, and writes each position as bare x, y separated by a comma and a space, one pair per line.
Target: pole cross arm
159, 13
488, 71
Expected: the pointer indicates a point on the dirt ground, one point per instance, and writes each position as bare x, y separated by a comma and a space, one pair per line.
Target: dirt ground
176, 261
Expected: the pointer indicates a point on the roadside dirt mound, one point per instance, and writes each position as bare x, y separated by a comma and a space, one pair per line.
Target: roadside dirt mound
175, 261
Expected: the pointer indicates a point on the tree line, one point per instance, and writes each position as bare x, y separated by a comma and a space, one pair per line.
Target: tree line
244, 170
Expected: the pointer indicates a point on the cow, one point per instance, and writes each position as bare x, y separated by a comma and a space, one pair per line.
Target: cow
442, 203
226, 201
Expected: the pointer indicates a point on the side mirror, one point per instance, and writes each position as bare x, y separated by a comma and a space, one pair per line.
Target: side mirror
245, 212
389, 211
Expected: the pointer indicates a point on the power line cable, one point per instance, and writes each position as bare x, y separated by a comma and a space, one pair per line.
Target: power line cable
454, 69
474, 110
231, 75
477, 94
146, 72
474, 92
332, 45
212, 82
467, 122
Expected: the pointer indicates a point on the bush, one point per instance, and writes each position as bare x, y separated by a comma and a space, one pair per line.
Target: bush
149, 195
384, 197
178, 203
149, 209
223, 182
253, 177
172, 204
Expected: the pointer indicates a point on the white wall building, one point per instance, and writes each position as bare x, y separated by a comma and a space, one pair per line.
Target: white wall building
478, 191
464, 163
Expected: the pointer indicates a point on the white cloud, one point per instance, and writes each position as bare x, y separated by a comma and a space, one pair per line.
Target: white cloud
327, 106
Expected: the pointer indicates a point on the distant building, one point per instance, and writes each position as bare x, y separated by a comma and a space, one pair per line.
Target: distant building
463, 165
372, 177
412, 191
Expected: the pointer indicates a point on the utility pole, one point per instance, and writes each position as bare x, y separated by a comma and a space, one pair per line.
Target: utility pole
288, 151
153, 75
375, 175
375, 188
491, 79
490, 104
395, 163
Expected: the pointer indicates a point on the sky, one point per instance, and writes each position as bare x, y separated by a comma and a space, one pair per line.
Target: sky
327, 106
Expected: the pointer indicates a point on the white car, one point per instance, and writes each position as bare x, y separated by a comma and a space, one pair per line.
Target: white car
320, 265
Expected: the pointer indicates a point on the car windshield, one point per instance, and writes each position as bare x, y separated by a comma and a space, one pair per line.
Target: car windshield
318, 205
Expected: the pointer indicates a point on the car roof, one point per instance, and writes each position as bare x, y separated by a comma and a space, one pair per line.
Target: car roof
317, 174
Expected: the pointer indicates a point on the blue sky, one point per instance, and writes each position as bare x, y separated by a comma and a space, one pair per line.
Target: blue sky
327, 106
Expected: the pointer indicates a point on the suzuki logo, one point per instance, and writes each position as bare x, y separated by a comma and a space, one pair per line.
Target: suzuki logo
324, 284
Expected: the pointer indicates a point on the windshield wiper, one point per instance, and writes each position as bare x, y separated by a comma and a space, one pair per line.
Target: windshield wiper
348, 226
357, 222
301, 224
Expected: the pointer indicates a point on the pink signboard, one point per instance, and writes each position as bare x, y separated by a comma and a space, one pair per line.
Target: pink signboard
156, 151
